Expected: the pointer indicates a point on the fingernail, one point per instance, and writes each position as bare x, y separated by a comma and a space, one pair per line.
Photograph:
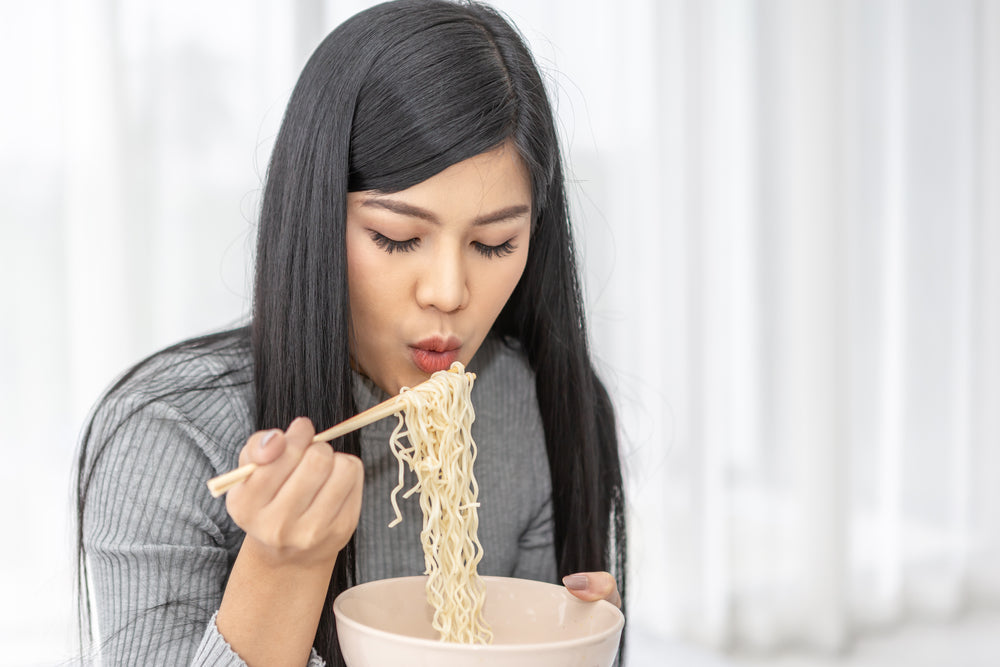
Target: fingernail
267, 436
575, 582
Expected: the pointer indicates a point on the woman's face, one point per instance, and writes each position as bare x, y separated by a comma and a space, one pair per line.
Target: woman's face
429, 268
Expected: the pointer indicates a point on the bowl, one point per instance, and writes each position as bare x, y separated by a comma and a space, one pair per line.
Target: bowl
388, 622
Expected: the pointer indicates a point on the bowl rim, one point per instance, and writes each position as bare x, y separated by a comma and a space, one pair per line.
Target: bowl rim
437, 644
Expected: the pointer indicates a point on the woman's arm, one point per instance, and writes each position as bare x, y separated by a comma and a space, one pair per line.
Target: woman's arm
299, 509
159, 549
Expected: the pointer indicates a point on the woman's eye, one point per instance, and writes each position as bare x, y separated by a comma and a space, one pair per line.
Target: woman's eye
491, 251
392, 245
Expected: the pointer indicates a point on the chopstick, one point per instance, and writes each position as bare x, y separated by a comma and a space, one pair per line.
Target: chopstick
219, 485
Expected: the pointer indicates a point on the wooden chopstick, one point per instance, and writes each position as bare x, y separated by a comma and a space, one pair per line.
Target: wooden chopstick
219, 485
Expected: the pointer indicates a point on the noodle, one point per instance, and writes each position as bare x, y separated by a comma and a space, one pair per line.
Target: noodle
438, 420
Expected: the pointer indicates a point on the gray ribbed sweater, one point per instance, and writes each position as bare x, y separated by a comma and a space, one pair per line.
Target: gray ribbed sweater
160, 548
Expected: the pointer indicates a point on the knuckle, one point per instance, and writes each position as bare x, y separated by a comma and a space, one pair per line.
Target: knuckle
352, 465
319, 457
298, 542
275, 535
312, 537
307, 538
323, 450
343, 527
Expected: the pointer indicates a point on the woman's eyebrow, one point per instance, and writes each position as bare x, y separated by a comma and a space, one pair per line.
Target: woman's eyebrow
503, 214
402, 208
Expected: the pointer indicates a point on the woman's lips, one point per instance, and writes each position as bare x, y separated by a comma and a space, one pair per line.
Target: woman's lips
435, 354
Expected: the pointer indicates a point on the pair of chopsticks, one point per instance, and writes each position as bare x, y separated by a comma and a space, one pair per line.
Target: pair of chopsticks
219, 485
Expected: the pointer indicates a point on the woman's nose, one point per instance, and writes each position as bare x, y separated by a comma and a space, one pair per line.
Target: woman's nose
444, 282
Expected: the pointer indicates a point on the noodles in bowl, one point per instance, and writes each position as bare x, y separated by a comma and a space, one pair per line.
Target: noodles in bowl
452, 617
389, 622
441, 452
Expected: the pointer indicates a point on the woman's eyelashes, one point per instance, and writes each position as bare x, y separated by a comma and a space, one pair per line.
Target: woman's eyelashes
391, 245
490, 251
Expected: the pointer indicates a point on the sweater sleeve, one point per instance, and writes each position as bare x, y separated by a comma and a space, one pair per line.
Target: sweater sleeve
158, 545
215, 650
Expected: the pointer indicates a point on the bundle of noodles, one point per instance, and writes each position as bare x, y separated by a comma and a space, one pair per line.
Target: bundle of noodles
441, 452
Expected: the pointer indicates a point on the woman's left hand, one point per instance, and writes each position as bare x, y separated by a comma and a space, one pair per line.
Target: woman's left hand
591, 586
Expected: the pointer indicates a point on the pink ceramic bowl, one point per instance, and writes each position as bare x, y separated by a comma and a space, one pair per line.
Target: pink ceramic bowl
388, 622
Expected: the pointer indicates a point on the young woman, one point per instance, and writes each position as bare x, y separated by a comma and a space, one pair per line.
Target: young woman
413, 215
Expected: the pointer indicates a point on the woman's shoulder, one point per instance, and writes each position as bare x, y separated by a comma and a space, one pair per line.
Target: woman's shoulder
188, 365
167, 425
215, 361
206, 383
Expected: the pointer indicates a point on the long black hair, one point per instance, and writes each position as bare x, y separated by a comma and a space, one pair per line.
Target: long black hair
393, 96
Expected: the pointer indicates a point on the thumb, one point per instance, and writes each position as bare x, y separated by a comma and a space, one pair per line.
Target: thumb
265, 446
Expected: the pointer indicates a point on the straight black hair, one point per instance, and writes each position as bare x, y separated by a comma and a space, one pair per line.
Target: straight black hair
393, 96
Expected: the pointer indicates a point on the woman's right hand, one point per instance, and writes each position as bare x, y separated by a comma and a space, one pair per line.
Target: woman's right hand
299, 508
301, 505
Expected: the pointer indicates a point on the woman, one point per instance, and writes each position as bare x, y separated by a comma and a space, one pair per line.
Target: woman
414, 214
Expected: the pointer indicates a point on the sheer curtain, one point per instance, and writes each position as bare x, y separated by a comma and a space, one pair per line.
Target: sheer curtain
135, 137
787, 212
803, 315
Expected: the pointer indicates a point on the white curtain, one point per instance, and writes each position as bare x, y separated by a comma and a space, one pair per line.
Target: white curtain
788, 213
803, 312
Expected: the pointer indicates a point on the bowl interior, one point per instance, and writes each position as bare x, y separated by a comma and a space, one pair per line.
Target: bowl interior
518, 611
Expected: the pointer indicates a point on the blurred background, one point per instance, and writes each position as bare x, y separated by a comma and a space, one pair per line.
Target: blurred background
788, 213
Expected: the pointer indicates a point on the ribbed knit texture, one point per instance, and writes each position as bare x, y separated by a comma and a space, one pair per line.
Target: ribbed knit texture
160, 547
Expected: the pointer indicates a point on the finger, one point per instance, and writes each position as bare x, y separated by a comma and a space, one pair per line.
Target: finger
277, 454
338, 503
304, 483
261, 487
300, 434
592, 586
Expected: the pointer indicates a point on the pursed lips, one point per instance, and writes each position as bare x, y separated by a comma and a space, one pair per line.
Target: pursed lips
435, 353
